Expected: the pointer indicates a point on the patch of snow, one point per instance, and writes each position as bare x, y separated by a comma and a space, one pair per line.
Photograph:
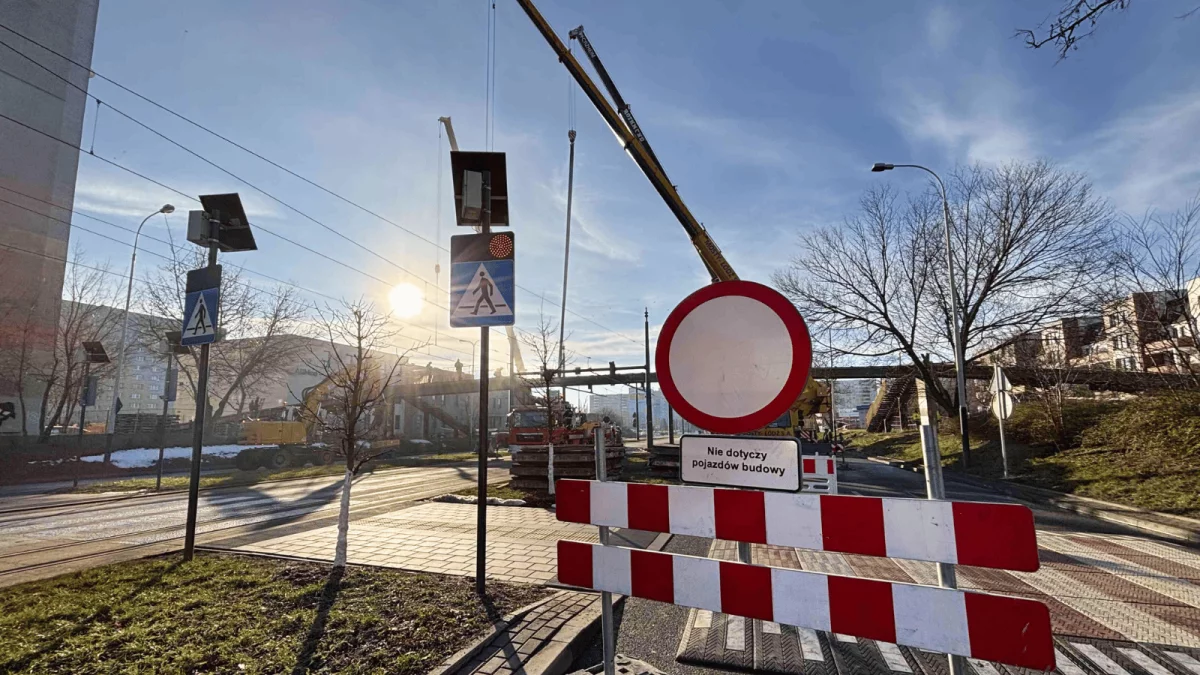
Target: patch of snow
143, 457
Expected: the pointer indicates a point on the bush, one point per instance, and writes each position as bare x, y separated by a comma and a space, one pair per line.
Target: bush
1030, 424
1162, 424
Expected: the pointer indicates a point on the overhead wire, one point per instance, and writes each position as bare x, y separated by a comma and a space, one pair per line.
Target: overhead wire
260, 156
146, 282
173, 260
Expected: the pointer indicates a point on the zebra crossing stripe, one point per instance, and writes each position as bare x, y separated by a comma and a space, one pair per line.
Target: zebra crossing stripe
894, 659
1100, 659
810, 645
735, 633
1186, 661
983, 667
1067, 667
1148, 664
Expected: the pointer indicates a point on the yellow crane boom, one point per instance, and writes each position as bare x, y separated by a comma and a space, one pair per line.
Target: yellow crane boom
710, 253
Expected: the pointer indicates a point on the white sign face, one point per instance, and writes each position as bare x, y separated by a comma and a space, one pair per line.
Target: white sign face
1003, 404
741, 461
731, 356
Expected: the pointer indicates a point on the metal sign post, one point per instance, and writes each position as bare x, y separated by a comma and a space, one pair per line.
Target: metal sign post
222, 225
935, 487
606, 608
481, 273
1002, 406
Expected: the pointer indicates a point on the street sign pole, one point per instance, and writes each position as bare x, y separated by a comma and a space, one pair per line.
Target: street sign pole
87, 369
606, 609
481, 491
649, 394
1002, 396
934, 485
189, 540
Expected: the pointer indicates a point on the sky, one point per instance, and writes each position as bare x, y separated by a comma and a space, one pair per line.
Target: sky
766, 115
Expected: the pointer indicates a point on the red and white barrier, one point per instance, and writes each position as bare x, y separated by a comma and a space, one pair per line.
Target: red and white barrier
818, 474
964, 533
993, 628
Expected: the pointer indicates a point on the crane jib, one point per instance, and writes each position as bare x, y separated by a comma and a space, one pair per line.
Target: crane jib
710, 254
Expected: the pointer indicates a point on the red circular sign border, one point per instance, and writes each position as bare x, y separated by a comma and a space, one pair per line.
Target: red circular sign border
793, 386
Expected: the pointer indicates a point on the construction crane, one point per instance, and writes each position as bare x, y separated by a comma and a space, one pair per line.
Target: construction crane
622, 107
517, 364
623, 126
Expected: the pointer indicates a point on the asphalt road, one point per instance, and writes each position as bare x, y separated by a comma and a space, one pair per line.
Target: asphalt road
39, 539
651, 631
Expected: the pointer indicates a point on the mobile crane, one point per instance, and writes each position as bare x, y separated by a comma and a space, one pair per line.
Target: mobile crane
633, 140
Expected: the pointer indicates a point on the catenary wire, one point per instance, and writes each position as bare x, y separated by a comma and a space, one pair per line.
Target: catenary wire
251, 152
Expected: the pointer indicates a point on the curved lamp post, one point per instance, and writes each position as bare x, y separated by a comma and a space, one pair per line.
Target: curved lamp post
959, 348
112, 413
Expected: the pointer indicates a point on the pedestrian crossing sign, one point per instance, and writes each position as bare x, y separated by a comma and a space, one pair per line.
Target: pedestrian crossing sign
200, 317
482, 280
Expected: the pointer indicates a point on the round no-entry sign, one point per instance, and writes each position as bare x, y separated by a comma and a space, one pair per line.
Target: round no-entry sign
733, 357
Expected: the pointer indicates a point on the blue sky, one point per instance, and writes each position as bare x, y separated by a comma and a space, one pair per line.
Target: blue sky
767, 115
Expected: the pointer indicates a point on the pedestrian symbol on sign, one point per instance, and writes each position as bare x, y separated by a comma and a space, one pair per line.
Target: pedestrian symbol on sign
481, 295
199, 322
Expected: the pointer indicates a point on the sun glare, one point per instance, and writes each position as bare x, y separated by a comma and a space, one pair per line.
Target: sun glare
406, 300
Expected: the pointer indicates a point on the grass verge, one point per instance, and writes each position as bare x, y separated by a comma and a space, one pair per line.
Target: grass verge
223, 613
1155, 481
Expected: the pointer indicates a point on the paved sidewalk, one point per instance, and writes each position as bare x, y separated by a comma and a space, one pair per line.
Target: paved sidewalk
440, 537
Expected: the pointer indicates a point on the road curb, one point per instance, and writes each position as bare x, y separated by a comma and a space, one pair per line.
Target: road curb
464, 655
1176, 528
1165, 525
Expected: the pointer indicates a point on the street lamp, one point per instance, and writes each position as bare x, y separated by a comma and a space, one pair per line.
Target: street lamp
959, 349
112, 414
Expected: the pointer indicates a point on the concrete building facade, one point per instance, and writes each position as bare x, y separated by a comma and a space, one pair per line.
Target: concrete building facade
37, 172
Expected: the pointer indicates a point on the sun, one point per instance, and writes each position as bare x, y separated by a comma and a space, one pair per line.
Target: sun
406, 300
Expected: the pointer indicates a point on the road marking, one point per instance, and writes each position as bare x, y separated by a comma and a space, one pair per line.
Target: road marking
1186, 661
771, 628
1149, 664
893, 657
1166, 551
1146, 577
1065, 665
1100, 659
703, 618
845, 638
810, 645
735, 633
983, 667
1117, 615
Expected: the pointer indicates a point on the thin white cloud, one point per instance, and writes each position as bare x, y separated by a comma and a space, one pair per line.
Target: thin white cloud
1147, 157
976, 121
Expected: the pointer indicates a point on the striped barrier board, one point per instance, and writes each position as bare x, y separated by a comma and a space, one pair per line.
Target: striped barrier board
999, 536
818, 474
1008, 630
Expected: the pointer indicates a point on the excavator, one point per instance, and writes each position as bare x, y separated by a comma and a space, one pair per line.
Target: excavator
814, 398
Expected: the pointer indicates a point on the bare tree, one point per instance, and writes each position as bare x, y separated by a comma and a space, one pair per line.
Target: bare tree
1028, 242
258, 342
551, 360
86, 315
1076, 21
358, 375
1160, 257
